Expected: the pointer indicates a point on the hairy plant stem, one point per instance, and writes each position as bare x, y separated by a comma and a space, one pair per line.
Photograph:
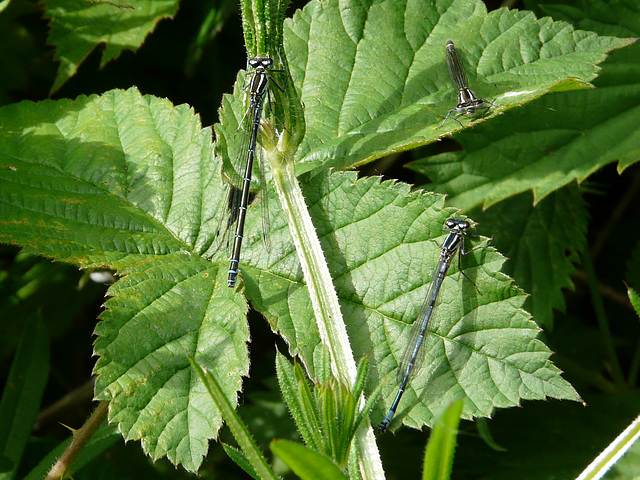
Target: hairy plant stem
80, 438
324, 299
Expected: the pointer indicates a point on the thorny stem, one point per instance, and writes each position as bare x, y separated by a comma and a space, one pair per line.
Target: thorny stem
80, 438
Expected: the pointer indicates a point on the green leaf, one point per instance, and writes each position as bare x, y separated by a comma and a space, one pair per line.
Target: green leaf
372, 230
361, 378
162, 311
22, 394
634, 298
438, 456
262, 23
306, 463
299, 400
359, 108
543, 244
95, 179
240, 432
368, 406
328, 418
79, 26
547, 144
127, 182
241, 460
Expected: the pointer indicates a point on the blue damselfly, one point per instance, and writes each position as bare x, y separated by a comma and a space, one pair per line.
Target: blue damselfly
239, 193
414, 352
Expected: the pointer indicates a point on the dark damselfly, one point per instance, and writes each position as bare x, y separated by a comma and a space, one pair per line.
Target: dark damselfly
238, 199
414, 352
468, 103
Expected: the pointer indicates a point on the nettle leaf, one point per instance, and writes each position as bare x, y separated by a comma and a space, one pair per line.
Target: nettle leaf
373, 76
377, 237
79, 26
543, 243
547, 144
127, 181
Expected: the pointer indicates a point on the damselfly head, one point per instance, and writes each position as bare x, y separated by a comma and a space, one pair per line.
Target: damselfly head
257, 62
456, 225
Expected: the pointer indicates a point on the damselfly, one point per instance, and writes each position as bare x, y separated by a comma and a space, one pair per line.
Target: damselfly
468, 103
238, 199
414, 351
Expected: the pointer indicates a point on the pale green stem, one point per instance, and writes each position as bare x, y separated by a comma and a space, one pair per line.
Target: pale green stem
610, 455
324, 299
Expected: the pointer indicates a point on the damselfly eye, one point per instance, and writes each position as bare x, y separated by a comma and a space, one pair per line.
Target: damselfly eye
267, 62
254, 62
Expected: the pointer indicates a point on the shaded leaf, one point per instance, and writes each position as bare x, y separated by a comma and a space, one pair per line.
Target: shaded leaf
24, 57
543, 244
618, 18
103, 439
22, 394
79, 26
613, 453
547, 440
632, 275
634, 298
